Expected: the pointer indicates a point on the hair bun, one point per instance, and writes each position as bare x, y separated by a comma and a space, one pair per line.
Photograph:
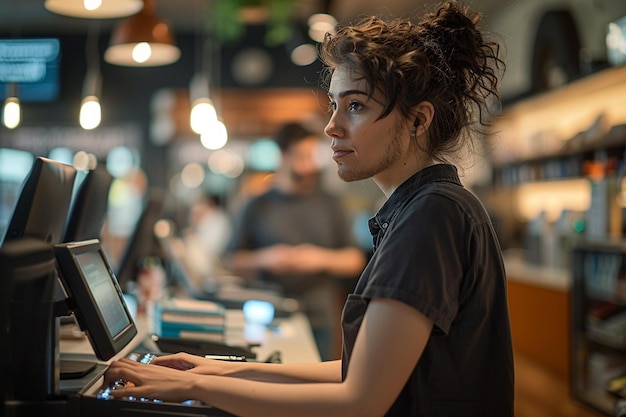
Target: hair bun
450, 28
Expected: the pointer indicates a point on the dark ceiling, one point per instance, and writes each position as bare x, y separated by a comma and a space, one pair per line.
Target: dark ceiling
127, 92
20, 17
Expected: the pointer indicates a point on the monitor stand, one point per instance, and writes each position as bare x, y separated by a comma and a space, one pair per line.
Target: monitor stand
69, 369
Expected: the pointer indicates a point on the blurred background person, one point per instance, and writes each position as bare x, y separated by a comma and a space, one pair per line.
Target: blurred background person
199, 246
298, 235
210, 224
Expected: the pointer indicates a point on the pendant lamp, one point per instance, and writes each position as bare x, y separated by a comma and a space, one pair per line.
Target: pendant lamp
94, 9
90, 114
142, 40
12, 110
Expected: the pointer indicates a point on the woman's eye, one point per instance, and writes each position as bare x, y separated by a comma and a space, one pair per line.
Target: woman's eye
354, 105
332, 106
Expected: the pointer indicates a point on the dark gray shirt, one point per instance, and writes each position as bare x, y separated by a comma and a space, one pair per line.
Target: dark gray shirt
436, 250
317, 218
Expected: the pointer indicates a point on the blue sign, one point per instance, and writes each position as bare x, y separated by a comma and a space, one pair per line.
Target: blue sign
32, 65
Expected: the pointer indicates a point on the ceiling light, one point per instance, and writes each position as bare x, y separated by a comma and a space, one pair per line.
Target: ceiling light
203, 113
11, 111
300, 48
320, 24
215, 137
90, 114
304, 54
142, 40
90, 110
202, 116
94, 9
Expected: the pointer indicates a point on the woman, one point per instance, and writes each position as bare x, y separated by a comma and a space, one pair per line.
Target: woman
426, 332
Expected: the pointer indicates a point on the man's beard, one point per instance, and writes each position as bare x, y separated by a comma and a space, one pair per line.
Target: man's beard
307, 181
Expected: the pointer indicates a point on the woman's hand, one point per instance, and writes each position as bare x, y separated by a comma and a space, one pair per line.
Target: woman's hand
192, 363
151, 381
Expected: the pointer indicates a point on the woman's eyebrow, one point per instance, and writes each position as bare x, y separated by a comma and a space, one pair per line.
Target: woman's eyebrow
347, 93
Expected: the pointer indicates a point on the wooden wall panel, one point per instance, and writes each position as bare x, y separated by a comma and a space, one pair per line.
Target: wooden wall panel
540, 324
258, 113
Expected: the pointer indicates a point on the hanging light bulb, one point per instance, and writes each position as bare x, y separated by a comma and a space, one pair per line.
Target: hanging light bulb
304, 54
215, 137
92, 5
320, 24
90, 113
90, 110
203, 113
11, 111
142, 40
141, 52
203, 117
94, 9
300, 48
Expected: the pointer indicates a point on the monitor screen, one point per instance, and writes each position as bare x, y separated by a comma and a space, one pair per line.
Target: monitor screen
95, 296
89, 206
43, 202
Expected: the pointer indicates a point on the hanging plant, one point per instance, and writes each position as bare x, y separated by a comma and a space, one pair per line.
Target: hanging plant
228, 25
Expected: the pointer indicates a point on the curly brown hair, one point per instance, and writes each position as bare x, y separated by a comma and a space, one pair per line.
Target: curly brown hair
442, 59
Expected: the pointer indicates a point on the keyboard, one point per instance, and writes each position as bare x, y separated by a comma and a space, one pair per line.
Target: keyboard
108, 392
198, 347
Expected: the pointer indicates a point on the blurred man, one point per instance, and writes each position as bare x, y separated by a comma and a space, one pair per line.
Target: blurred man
298, 236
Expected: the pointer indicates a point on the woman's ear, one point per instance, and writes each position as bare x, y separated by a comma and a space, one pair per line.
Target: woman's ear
424, 113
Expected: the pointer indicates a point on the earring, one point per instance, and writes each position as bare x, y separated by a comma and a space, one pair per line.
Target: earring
413, 131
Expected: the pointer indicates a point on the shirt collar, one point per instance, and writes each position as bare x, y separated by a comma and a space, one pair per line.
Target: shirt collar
428, 175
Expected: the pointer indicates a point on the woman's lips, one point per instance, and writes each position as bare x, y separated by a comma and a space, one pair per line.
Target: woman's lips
340, 153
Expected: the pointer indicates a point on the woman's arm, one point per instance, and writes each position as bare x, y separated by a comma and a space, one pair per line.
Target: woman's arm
329, 371
389, 344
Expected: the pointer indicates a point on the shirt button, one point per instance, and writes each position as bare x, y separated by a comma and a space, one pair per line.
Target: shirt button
384, 226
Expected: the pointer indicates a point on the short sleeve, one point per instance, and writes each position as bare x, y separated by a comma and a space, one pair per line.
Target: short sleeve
420, 259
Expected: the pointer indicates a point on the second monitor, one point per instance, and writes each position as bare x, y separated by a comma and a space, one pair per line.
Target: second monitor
95, 297
89, 205
43, 202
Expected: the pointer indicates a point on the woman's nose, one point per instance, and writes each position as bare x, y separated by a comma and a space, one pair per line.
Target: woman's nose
332, 129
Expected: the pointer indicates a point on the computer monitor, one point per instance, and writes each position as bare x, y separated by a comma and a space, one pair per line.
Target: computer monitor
89, 206
142, 242
43, 202
95, 296
28, 366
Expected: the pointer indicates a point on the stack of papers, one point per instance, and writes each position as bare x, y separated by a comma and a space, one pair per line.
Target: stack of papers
190, 319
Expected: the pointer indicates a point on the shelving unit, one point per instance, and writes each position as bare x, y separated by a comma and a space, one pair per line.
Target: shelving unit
598, 322
565, 150
567, 123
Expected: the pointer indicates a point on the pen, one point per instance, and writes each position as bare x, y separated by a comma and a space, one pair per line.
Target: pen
226, 357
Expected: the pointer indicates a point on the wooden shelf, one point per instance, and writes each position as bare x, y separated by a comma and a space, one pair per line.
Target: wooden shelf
584, 111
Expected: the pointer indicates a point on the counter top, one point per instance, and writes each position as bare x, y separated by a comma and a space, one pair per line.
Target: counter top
517, 269
292, 337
